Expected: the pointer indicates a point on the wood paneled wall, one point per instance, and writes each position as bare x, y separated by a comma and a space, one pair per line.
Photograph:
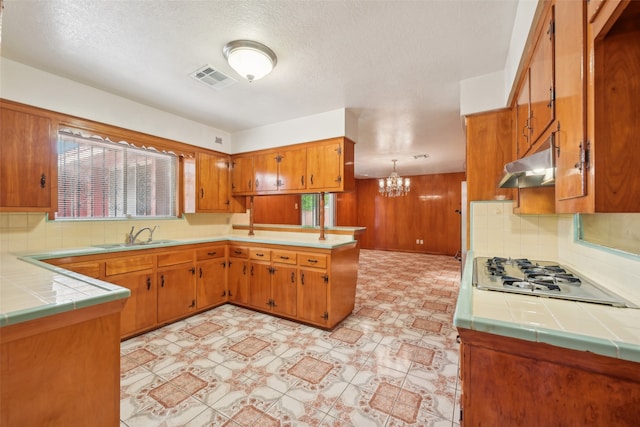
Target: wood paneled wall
427, 213
278, 209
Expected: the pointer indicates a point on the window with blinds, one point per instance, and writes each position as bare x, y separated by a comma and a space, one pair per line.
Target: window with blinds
100, 179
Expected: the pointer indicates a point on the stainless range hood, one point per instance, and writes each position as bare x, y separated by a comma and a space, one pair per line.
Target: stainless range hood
536, 170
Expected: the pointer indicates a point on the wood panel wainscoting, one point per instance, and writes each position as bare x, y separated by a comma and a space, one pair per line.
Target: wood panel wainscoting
427, 213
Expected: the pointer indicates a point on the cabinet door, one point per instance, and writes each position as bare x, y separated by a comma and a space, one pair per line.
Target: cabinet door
265, 172
292, 168
571, 65
260, 285
242, 175
238, 281
523, 114
213, 183
210, 283
312, 296
176, 293
324, 166
139, 311
542, 81
284, 290
25, 160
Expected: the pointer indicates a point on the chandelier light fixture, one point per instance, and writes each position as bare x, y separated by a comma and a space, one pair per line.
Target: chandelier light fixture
395, 185
252, 60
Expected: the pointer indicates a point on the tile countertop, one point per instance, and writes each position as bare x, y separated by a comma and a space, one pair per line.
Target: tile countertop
608, 331
31, 289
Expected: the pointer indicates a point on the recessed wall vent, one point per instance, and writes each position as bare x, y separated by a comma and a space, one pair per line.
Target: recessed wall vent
421, 156
213, 78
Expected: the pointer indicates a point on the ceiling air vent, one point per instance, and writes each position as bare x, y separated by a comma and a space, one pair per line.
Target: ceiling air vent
213, 78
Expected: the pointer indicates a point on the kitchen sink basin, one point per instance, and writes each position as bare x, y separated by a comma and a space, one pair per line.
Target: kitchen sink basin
134, 245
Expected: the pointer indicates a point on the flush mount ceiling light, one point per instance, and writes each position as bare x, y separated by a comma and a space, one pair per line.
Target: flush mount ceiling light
252, 60
395, 185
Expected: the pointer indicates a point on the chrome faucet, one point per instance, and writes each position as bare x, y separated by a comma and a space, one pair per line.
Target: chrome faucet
132, 237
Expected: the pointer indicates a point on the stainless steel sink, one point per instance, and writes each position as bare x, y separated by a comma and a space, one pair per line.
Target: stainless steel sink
137, 244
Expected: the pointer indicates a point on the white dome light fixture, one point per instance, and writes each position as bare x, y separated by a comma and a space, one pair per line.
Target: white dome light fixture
252, 60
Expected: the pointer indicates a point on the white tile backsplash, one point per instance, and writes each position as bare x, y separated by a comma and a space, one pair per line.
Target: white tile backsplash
31, 232
496, 231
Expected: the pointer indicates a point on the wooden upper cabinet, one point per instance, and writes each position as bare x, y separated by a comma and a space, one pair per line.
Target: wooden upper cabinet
242, 175
265, 168
213, 183
523, 114
26, 150
318, 166
292, 166
542, 87
489, 147
570, 138
325, 165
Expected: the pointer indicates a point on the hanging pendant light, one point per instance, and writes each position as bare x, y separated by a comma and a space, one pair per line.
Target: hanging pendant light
395, 185
252, 60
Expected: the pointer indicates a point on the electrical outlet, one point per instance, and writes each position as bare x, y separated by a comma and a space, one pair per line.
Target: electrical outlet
421, 242
417, 241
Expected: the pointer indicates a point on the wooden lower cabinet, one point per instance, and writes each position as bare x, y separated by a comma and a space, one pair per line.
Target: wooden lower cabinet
312, 296
176, 292
62, 370
168, 284
507, 381
211, 289
238, 277
140, 312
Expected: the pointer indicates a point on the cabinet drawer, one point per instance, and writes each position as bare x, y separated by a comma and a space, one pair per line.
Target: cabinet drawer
89, 268
312, 260
238, 252
129, 264
263, 254
174, 258
284, 257
210, 253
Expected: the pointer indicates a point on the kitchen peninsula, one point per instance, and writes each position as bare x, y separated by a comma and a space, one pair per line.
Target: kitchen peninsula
304, 279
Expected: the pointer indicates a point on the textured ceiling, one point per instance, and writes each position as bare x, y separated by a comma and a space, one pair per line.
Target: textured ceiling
396, 64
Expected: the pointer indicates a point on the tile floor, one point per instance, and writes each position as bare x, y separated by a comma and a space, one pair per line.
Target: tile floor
393, 362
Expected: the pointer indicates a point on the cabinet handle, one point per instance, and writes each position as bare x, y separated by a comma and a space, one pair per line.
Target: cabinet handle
227, 202
201, 272
148, 283
284, 257
311, 179
249, 184
293, 277
192, 270
43, 181
224, 294
211, 253
237, 252
252, 270
224, 264
302, 180
259, 254
302, 279
193, 303
257, 183
312, 261
162, 281
201, 193
230, 294
244, 269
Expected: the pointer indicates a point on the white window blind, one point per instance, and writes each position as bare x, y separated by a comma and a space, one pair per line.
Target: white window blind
98, 178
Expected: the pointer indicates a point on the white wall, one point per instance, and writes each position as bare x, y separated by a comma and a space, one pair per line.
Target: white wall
31, 86
491, 91
482, 93
309, 128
